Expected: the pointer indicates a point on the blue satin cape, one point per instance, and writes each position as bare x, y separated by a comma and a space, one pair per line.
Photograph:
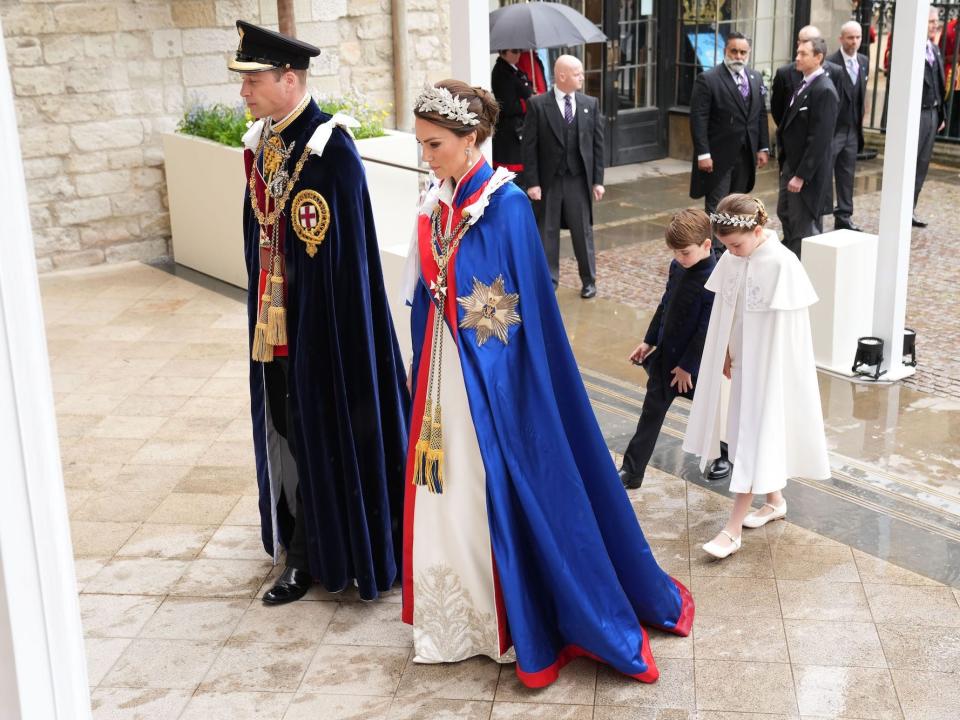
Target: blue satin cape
576, 573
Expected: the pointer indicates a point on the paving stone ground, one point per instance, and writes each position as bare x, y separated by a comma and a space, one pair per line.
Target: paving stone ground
634, 272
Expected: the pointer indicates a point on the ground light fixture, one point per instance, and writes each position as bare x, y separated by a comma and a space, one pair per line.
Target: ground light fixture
869, 354
910, 347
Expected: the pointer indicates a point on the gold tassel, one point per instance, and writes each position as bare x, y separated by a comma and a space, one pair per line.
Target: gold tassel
420, 449
262, 349
434, 460
277, 315
277, 326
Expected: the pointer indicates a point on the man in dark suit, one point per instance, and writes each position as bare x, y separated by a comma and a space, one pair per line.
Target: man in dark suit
804, 142
728, 124
932, 111
848, 135
562, 152
512, 88
787, 78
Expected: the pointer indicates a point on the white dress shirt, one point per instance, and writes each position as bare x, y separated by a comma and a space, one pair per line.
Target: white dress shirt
852, 63
560, 95
744, 77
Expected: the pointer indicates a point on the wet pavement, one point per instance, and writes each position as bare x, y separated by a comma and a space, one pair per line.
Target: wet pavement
850, 609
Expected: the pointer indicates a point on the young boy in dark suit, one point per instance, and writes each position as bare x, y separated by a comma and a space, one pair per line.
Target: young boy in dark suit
671, 349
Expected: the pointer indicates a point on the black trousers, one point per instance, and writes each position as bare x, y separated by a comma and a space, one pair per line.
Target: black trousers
281, 414
797, 220
567, 200
929, 121
844, 168
656, 403
735, 179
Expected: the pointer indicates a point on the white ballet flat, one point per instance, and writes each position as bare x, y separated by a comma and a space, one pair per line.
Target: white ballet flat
755, 520
712, 548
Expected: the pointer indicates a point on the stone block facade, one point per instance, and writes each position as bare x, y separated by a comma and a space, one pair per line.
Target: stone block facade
96, 84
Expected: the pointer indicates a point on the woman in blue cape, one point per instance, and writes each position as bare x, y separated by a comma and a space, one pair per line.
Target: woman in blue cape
519, 540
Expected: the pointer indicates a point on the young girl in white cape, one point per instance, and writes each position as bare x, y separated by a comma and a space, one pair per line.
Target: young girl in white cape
759, 337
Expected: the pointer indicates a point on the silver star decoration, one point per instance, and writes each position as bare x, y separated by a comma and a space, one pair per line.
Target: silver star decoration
490, 310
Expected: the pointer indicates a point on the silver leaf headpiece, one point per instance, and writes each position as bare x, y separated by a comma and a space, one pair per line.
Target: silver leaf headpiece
742, 221
439, 100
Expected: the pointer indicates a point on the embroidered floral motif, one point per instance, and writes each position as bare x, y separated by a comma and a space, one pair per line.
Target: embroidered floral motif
755, 299
731, 286
447, 625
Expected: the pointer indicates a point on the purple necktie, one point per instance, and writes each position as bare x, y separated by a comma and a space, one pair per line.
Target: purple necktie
567, 109
744, 86
930, 56
797, 93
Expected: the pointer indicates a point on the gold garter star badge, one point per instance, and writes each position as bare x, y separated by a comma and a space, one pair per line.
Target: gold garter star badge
490, 310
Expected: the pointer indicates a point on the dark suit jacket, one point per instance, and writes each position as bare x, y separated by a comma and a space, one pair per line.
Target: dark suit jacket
804, 140
785, 82
543, 140
852, 97
679, 326
935, 82
721, 123
511, 87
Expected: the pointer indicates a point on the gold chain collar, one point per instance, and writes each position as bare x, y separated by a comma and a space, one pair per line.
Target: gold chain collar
269, 219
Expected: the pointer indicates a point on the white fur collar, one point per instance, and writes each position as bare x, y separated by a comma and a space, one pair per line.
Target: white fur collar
316, 143
438, 192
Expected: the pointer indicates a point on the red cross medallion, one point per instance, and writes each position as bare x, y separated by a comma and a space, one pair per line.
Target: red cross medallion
308, 216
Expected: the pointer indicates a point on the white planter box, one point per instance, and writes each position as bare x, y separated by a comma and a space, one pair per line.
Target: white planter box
205, 184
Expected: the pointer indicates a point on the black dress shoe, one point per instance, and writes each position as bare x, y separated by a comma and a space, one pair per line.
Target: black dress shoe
846, 225
719, 469
292, 585
588, 291
630, 482
917, 223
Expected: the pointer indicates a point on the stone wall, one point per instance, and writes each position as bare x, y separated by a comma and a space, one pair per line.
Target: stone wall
97, 83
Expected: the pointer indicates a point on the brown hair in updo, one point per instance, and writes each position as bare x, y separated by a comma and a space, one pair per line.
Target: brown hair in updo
481, 102
740, 204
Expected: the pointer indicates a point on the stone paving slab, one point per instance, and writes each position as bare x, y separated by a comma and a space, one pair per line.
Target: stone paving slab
182, 634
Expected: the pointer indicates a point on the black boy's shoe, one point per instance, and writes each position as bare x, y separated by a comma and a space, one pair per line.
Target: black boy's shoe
630, 482
916, 222
588, 291
719, 469
292, 585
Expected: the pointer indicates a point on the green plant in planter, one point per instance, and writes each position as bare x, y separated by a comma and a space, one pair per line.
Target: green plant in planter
368, 113
226, 125
218, 122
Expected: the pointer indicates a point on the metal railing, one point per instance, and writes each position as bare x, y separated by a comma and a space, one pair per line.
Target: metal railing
877, 20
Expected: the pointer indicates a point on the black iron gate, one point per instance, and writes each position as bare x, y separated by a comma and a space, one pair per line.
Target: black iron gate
876, 17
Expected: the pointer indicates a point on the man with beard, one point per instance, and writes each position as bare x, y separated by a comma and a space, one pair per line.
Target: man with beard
728, 123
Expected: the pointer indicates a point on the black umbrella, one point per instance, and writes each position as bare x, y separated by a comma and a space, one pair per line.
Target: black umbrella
531, 25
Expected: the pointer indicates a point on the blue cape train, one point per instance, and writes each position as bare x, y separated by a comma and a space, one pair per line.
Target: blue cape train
576, 573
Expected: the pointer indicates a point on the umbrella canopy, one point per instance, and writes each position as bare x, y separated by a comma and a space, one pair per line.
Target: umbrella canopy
532, 25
